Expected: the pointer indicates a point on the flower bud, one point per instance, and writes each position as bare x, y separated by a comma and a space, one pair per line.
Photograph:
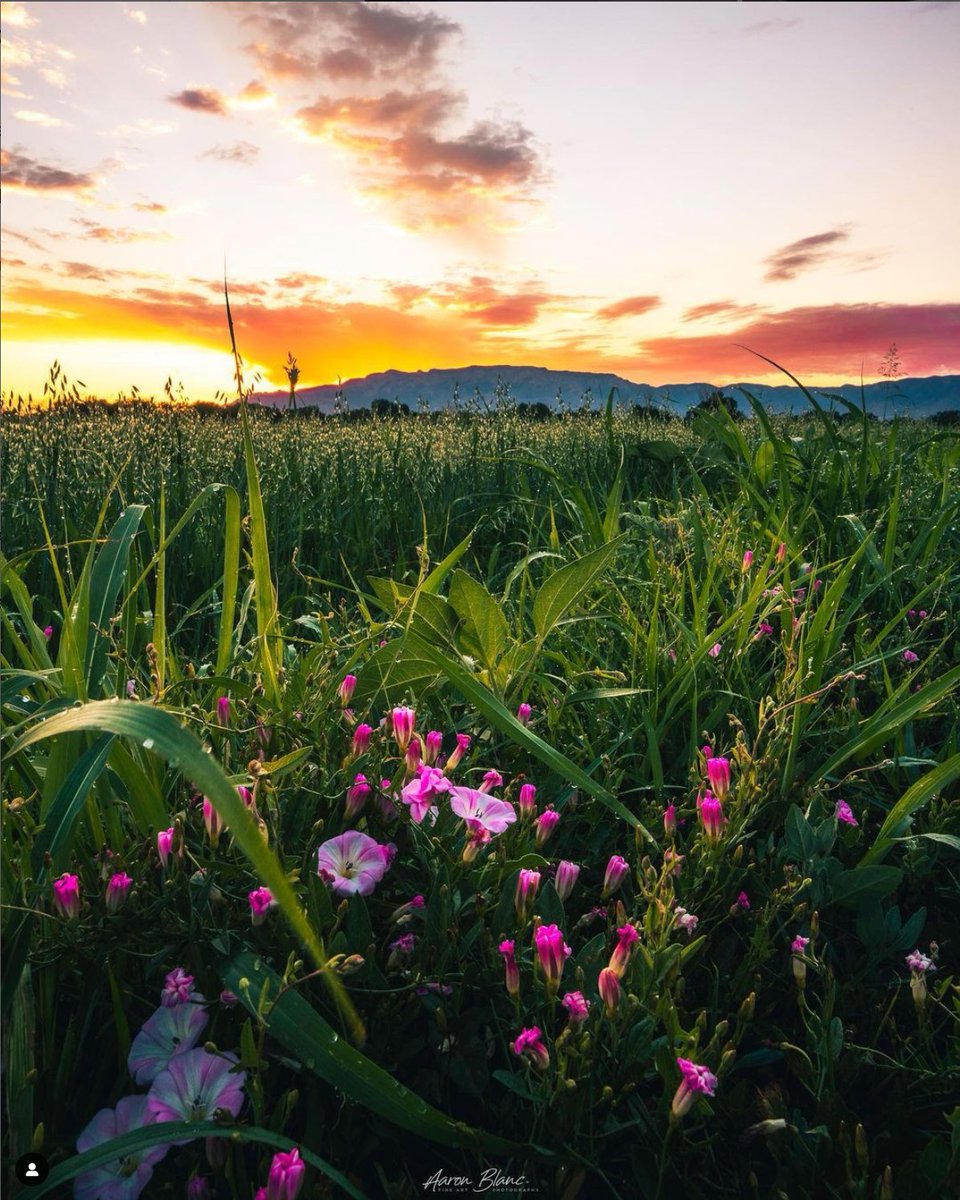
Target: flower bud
617, 870
346, 689
546, 823
462, 746
566, 878
66, 896
527, 801
118, 889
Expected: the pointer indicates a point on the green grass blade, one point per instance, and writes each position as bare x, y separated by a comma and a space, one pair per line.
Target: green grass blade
913, 798
231, 575
106, 580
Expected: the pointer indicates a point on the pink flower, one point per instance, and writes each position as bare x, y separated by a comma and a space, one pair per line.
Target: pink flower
401, 949
346, 689
48, 632
357, 794
566, 878
402, 721
617, 870
529, 1043
608, 983
212, 822
524, 713
546, 823
462, 746
406, 911
512, 971
494, 815
919, 962
799, 944
477, 835
747, 560
229, 999
527, 801
66, 896
687, 921
577, 1006
527, 884
711, 816
177, 989
696, 1080
422, 792
223, 710
353, 864
670, 820
413, 755
195, 1085
620, 958
845, 813
715, 649
552, 952
285, 1177
910, 657
798, 947
132, 689
168, 1032
743, 901
165, 844
118, 889
361, 740
432, 745
718, 775
261, 902
246, 795
122, 1178
763, 629
781, 552
492, 779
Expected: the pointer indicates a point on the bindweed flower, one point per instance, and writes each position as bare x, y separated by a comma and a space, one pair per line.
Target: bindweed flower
66, 896
577, 1006
423, 791
686, 921
353, 863
123, 1178
512, 971
413, 755
743, 901
695, 1081
797, 948
402, 721
492, 779
910, 657
478, 835
718, 775
608, 983
764, 629
524, 712
357, 794
529, 1045
361, 740
48, 632
261, 903
168, 1032
346, 689
118, 889
285, 1176
195, 1085
670, 820
919, 965
844, 813
711, 816
432, 745
471, 804
457, 753
165, 844
401, 949
617, 870
212, 821
552, 952
246, 795
566, 878
747, 561
223, 710
627, 938
177, 989
402, 914
527, 801
715, 649
546, 824
919, 962
527, 884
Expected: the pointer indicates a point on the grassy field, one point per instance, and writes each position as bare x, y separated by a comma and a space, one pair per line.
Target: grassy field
738, 643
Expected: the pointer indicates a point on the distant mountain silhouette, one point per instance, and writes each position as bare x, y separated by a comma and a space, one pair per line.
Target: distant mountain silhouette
485, 387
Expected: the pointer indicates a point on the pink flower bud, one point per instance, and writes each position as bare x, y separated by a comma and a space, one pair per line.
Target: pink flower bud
432, 744
402, 721
546, 823
743, 901
617, 870
627, 938
462, 746
910, 657
212, 822
165, 844
608, 983
48, 632
66, 896
747, 560
118, 889
229, 999
412, 756
552, 953
845, 813
781, 552
261, 903
246, 795
711, 816
346, 689
566, 878
577, 1006
715, 649
695, 1081
492, 779
512, 971
529, 1044
670, 820
285, 1177
223, 710
361, 740
527, 885
798, 947
524, 713
718, 774
527, 801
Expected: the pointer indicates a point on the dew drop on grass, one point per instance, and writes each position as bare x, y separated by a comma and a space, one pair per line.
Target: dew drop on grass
148, 743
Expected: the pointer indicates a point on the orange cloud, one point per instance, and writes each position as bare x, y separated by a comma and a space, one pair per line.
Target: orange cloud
117, 234
801, 255
633, 306
718, 308
26, 174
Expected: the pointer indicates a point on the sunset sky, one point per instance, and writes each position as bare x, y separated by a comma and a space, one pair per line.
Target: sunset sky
638, 188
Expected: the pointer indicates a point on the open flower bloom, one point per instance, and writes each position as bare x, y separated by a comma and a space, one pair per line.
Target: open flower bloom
353, 863
619, 959
66, 896
687, 921
566, 878
617, 870
695, 1080
919, 965
529, 1044
494, 815
553, 952
124, 1178
286, 1175
919, 962
845, 813
177, 989
194, 1086
577, 1006
711, 816
261, 902
118, 889
512, 979
422, 792
169, 1032
718, 774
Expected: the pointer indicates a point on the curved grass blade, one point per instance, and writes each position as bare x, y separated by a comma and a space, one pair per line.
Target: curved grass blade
303, 1032
171, 1131
106, 580
913, 798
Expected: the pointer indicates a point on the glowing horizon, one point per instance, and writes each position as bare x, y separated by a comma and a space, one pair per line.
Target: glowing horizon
643, 189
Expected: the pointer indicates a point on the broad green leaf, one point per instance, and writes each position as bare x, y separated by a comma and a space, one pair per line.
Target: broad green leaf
481, 615
561, 590
853, 888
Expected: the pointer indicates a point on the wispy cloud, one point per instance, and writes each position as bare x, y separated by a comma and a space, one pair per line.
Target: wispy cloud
633, 306
150, 206
804, 254
718, 308
202, 100
116, 234
18, 170
16, 15
241, 153
37, 118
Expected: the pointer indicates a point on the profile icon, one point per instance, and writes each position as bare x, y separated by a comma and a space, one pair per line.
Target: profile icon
32, 1169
